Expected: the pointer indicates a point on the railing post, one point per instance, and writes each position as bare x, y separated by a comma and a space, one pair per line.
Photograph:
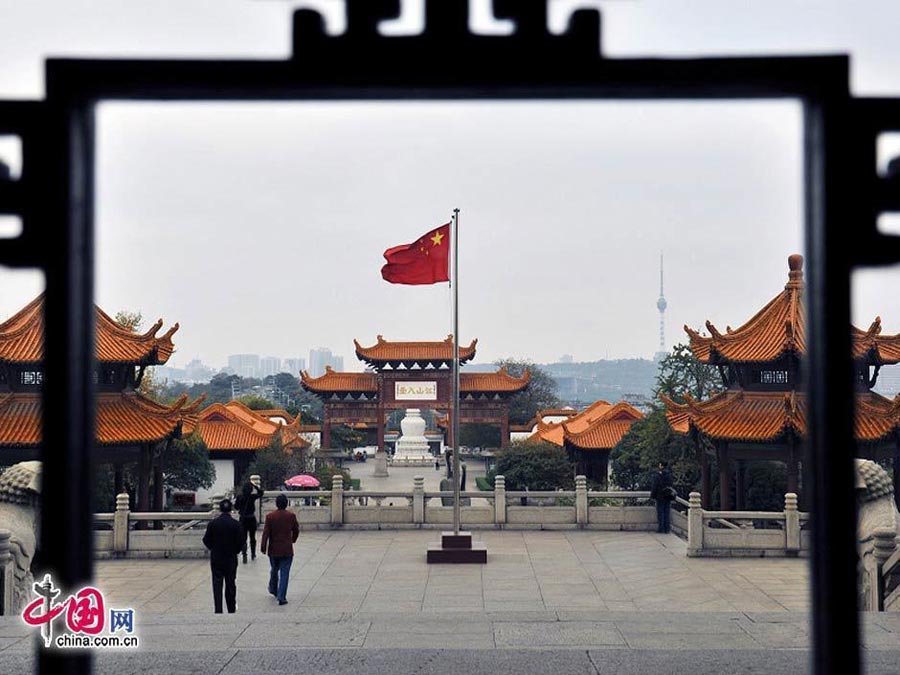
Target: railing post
418, 500
885, 543
337, 499
499, 500
695, 525
581, 500
791, 524
120, 525
6, 575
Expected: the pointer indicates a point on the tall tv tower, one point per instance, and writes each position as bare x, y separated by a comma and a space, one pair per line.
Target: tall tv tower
661, 305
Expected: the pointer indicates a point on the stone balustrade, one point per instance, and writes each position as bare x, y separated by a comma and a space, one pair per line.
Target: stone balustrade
744, 533
708, 533
117, 536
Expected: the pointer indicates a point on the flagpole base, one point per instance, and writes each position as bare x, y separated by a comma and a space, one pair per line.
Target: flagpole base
457, 549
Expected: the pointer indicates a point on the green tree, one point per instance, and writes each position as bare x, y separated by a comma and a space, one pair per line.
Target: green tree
274, 465
535, 465
538, 395
130, 321
648, 442
346, 437
186, 464
682, 373
256, 402
326, 472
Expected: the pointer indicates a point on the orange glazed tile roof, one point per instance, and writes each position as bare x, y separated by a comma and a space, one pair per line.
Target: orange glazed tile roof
122, 419
599, 426
761, 416
233, 426
605, 431
780, 327
22, 339
499, 381
333, 381
383, 351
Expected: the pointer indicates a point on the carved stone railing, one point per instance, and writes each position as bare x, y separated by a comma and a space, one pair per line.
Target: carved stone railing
746, 533
181, 532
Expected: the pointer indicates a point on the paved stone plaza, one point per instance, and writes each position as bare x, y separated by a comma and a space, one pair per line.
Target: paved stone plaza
566, 602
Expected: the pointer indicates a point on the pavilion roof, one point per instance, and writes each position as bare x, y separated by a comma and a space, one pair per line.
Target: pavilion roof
762, 416
384, 351
234, 426
22, 339
123, 418
780, 327
599, 426
334, 381
496, 382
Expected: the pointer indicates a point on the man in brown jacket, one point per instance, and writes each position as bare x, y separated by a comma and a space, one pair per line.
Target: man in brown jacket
279, 534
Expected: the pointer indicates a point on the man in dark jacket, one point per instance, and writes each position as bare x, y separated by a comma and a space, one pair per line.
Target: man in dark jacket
246, 506
279, 534
662, 491
223, 538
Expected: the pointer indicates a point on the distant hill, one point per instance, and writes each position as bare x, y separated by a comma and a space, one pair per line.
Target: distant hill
587, 381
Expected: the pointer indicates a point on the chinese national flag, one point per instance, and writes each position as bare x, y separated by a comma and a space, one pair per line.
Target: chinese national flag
425, 261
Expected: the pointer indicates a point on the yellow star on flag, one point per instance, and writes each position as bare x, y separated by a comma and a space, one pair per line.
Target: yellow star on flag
437, 238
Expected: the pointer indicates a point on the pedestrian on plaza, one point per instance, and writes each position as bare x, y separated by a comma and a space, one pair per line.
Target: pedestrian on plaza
662, 491
224, 538
279, 534
246, 507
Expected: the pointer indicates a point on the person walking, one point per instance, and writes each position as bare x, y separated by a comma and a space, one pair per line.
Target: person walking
246, 506
223, 538
662, 491
279, 534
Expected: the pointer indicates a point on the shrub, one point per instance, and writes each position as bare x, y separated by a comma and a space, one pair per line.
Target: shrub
537, 466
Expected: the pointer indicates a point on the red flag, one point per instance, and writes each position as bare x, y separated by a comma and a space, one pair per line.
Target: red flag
425, 261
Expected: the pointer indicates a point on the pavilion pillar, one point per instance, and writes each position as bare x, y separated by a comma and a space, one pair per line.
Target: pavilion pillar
380, 430
119, 478
793, 482
705, 479
159, 492
143, 492
504, 429
724, 478
326, 429
740, 486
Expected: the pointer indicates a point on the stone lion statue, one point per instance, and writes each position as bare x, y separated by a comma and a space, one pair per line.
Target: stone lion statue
20, 496
878, 520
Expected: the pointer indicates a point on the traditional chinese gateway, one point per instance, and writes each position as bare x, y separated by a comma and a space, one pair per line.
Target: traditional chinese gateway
761, 415
412, 375
130, 426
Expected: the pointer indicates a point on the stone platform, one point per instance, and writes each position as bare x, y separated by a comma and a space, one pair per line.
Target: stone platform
562, 602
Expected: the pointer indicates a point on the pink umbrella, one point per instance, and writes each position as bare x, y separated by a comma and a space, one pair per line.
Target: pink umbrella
302, 480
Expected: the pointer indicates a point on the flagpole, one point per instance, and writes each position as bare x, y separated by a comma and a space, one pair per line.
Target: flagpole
456, 474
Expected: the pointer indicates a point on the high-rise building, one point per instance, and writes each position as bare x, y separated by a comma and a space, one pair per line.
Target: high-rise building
244, 365
661, 305
269, 365
293, 366
321, 357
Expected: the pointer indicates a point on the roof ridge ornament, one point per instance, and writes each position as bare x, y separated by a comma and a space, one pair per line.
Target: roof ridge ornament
795, 272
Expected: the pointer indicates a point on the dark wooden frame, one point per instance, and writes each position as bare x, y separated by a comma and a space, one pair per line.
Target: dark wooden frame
843, 192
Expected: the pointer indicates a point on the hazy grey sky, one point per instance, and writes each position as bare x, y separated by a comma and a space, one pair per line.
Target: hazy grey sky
565, 207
